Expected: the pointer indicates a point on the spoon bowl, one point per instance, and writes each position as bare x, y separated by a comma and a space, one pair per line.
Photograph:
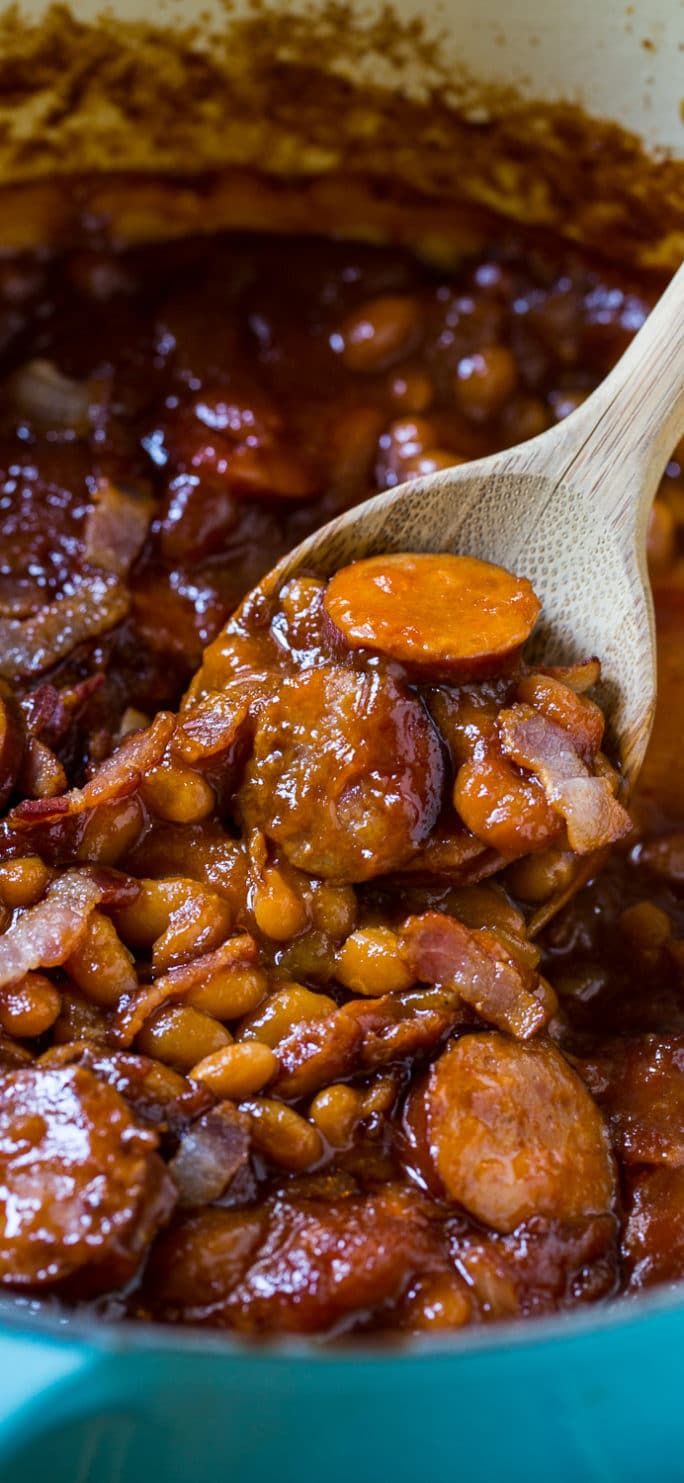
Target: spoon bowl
568, 510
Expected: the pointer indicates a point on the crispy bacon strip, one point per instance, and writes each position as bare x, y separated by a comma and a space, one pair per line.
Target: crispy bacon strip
116, 778
116, 526
30, 645
211, 1151
364, 1034
45, 935
212, 727
133, 1011
440, 950
592, 815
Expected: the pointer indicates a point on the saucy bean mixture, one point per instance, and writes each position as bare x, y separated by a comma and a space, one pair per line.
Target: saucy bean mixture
281, 1048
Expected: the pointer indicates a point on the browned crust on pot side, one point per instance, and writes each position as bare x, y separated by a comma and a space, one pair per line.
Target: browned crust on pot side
134, 101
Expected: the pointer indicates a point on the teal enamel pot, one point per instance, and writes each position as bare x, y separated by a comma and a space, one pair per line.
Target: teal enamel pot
594, 1398
590, 1399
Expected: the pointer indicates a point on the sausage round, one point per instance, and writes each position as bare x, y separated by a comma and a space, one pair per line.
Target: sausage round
509, 1131
346, 773
82, 1188
443, 617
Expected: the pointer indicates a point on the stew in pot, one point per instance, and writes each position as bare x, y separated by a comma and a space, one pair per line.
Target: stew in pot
281, 1047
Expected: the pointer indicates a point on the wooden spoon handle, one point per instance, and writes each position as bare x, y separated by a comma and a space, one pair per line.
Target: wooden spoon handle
628, 428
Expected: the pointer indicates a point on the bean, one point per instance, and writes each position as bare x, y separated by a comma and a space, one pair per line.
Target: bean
237, 1071
282, 1136
79, 1020
537, 877
437, 1303
485, 381
336, 1110
522, 418
411, 391
111, 831
505, 810
280, 913
178, 794
380, 332
178, 918
292, 1005
29, 1007
334, 909
231, 993
23, 881
369, 962
647, 929
181, 1036
101, 967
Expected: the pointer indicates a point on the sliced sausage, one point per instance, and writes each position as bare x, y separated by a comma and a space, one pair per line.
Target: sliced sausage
346, 773
82, 1188
444, 617
509, 1131
299, 1266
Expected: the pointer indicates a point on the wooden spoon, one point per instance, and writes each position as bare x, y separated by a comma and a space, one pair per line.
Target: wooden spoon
568, 510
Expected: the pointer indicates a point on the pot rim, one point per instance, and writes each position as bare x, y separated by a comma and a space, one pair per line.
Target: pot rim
113, 1337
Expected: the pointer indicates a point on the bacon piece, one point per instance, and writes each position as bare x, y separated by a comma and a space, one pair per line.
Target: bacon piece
132, 1012
440, 950
116, 526
593, 817
30, 645
45, 935
42, 775
363, 1034
400, 1025
116, 778
49, 712
212, 1150
316, 1052
583, 721
212, 728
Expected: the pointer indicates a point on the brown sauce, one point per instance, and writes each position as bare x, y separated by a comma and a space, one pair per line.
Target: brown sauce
262, 1069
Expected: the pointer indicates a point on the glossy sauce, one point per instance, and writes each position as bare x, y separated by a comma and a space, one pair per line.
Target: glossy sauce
170, 425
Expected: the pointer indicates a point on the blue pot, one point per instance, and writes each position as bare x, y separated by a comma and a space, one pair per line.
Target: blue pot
588, 1399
